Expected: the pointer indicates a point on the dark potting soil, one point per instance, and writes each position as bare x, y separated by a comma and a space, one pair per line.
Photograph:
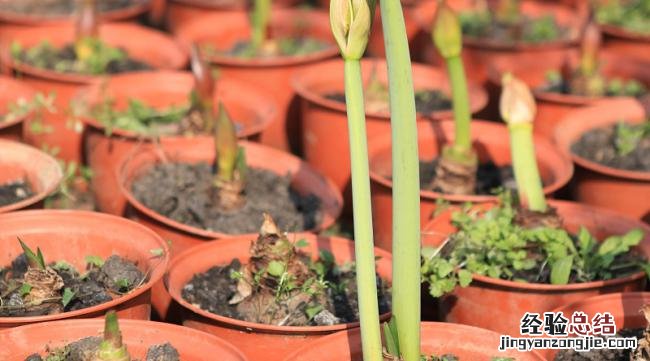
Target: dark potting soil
489, 179
116, 276
426, 101
59, 7
184, 193
212, 290
481, 25
14, 192
86, 349
599, 145
614, 87
62, 60
604, 354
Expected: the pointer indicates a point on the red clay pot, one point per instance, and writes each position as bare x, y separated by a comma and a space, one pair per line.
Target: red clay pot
273, 74
465, 342
181, 12
138, 336
478, 54
257, 341
73, 235
626, 43
621, 190
553, 107
42, 171
10, 92
65, 134
325, 124
498, 305
491, 142
158, 89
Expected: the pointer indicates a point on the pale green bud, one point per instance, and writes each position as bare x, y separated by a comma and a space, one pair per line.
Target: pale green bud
517, 104
351, 21
447, 33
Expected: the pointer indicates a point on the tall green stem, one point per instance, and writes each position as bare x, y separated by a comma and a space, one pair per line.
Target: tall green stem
406, 182
363, 236
529, 182
460, 101
260, 22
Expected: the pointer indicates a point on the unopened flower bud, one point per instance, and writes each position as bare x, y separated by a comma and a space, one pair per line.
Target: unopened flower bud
517, 104
447, 33
351, 21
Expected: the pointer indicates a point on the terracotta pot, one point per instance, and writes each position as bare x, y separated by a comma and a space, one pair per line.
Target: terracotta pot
596, 184
491, 143
478, 54
499, 305
181, 236
272, 74
552, 107
158, 89
436, 339
10, 92
325, 124
138, 336
626, 43
73, 235
181, 12
255, 339
65, 135
42, 172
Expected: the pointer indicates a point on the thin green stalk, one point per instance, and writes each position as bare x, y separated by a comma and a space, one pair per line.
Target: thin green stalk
460, 101
529, 182
406, 182
363, 235
260, 22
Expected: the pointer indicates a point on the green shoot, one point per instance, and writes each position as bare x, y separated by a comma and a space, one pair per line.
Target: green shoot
204, 88
34, 260
589, 48
86, 29
231, 162
260, 23
112, 348
406, 182
517, 107
351, 21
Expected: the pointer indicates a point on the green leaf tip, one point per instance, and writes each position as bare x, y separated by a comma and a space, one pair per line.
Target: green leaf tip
351, 21
517, 104
112, 348
34, 260
447, 33
226, 145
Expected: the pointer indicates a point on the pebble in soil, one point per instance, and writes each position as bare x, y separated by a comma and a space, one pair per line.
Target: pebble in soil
600, 145
604, 354
14, 192
426, 101
99, 284
60, 7
184, 193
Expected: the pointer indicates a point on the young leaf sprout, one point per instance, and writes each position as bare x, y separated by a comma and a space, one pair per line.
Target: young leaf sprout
112, 348
230, 177
204, 87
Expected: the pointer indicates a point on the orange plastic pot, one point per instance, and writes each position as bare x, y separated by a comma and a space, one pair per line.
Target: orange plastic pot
553, 107
499, 305
257, 341
626, 43
181, 12
598, 185
138, 336
271, 74
325, 124
491, 142
161, 90
465, 342
478, 54
11, 91
73, 235
62, 133
22, 162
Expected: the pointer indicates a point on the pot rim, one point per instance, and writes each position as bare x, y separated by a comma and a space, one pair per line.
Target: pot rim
305, 91
543, 287
265, 328
75, 78
154, 277
121, 14
265, 118
195, 231
281, 61
622, 33
608, 297
53, 164
381, 143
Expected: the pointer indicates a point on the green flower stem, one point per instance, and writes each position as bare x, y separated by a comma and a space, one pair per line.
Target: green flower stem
460, 101
363, 236
406, 182
529, 182
260, 22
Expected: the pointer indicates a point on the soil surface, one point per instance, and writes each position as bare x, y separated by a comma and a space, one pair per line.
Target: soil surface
599, 145
274, 48
14, 192
488, 180
613, 87
184, 193
86, 350
602, 355
426, 101
97, 285
56, 8
213, 289
481, 25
